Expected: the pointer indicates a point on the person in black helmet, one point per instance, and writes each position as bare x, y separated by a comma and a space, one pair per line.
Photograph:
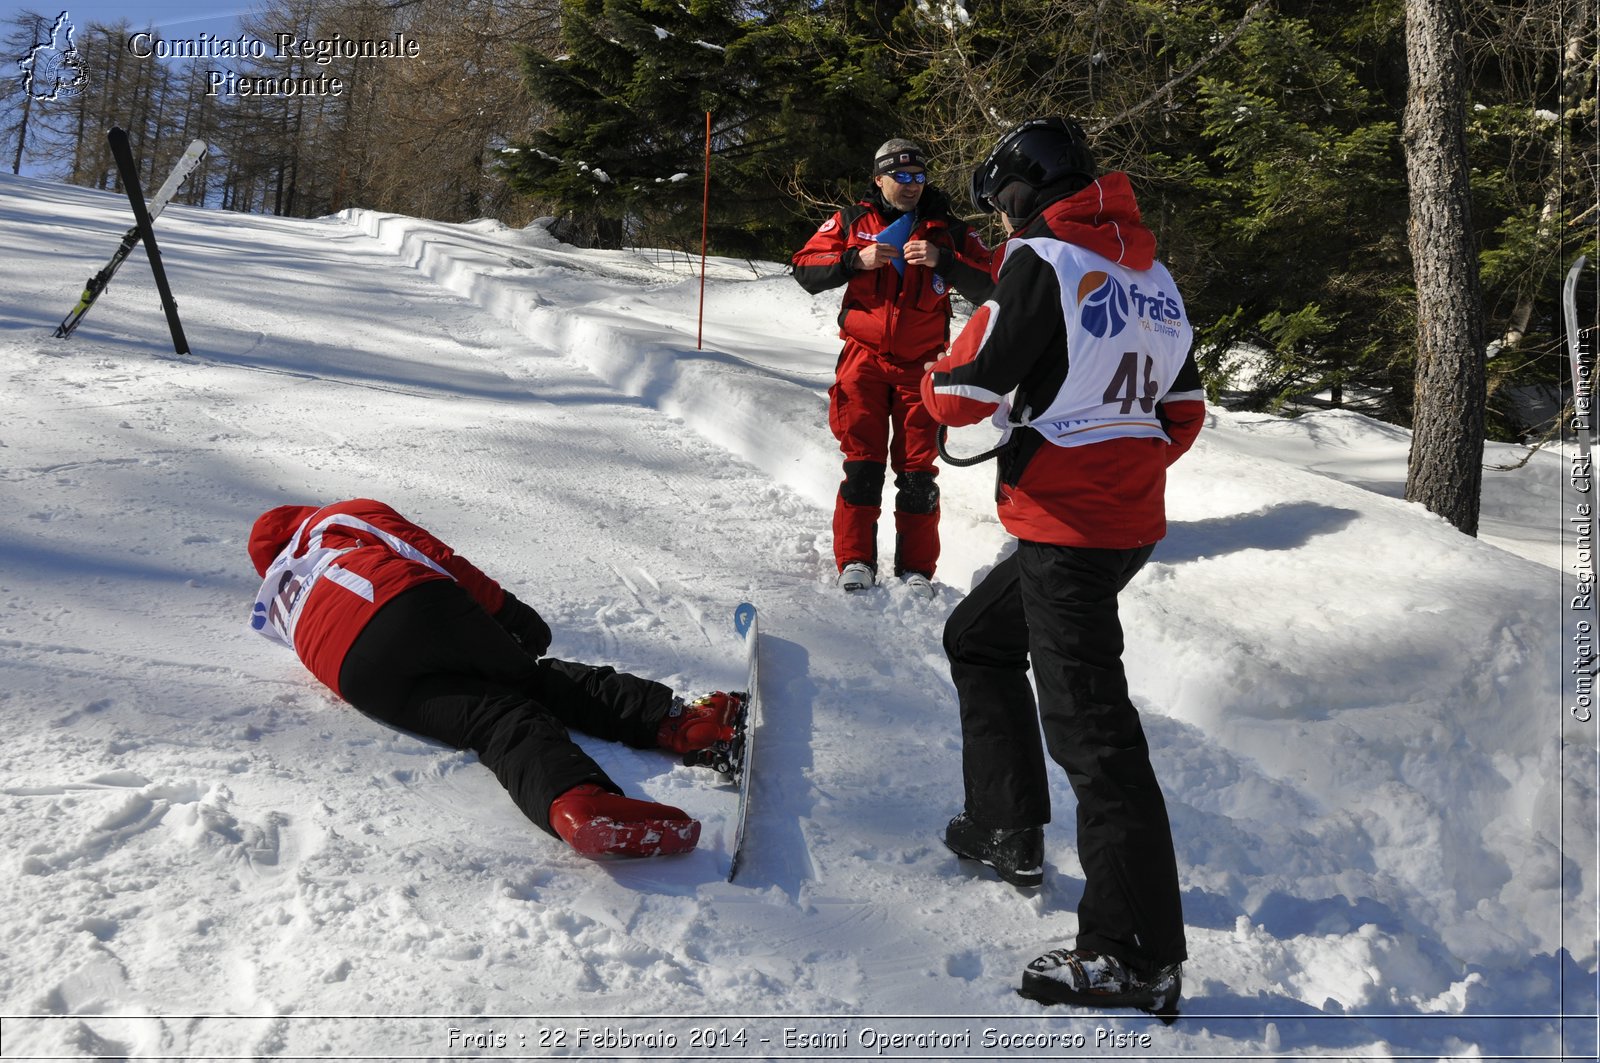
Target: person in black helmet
1083, 349
897, 255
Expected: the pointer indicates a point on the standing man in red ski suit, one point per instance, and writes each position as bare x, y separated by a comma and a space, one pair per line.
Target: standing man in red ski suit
414, 635
897, 254
1086, 346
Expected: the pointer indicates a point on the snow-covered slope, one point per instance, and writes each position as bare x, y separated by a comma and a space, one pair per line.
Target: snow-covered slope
1355, 711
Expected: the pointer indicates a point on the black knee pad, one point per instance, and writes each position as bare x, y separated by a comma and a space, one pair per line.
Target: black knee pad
863, 483
918, 492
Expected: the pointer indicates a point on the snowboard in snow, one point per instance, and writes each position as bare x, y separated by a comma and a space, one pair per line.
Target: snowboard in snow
733, 757
746, 624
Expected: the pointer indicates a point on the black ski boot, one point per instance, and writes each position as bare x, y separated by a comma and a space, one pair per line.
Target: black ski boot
1096, 980
1016, 853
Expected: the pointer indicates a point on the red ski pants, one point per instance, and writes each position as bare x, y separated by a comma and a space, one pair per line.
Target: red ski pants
875, 410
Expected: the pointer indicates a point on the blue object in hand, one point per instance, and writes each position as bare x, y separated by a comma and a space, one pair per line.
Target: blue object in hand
895, 235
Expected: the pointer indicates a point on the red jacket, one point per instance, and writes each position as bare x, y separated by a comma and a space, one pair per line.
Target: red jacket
903, 318
1085, 341
328, 570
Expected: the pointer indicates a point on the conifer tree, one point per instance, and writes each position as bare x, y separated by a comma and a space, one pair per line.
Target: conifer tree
838, 86
628, 92
1295, 211
792, 97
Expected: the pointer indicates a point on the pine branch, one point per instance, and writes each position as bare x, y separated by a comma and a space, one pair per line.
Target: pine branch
1194, 68
1550, 436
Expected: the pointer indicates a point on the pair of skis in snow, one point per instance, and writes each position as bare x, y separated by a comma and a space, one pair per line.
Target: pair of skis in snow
144, 216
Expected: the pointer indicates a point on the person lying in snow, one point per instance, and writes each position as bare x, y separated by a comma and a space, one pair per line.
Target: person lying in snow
414, 635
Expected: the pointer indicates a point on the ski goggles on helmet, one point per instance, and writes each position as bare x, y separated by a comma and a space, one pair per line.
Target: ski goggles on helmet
905, 177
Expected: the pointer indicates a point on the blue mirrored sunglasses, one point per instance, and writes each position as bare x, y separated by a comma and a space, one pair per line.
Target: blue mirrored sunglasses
901, 177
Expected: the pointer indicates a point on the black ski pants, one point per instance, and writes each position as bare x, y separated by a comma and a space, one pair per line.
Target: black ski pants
433, 662
1056, 608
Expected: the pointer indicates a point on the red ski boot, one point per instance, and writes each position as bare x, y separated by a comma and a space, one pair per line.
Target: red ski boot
597, 822
701, 723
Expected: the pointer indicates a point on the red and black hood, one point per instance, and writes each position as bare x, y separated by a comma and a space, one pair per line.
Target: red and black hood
1104, 217
272, 532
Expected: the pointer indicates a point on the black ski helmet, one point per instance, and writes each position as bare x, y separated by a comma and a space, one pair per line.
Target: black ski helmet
1039, 153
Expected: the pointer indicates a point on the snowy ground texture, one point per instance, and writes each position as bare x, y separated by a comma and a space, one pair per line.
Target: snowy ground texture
1386, 838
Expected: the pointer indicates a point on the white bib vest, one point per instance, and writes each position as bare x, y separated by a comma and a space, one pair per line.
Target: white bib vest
290, 577
1127, 338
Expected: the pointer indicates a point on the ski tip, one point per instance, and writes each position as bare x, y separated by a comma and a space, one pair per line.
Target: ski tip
743, 616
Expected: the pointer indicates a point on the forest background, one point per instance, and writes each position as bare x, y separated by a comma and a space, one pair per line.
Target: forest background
1265, 141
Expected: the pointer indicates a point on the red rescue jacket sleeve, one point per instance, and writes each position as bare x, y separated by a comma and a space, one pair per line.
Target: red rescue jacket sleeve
821, 264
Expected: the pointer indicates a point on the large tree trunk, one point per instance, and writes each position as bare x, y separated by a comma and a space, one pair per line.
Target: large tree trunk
1446, 468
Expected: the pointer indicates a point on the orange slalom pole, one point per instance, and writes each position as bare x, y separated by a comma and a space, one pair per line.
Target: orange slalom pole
705, 221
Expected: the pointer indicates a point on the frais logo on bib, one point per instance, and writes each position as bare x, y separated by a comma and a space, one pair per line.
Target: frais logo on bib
1102, 304
1105, 306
